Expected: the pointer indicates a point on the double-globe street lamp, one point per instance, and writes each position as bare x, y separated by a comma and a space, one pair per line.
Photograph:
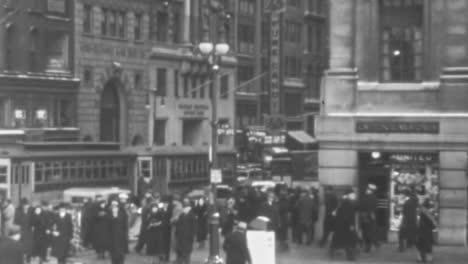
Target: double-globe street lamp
213, 50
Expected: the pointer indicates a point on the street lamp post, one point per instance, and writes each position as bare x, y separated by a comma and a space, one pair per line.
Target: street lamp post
213, 51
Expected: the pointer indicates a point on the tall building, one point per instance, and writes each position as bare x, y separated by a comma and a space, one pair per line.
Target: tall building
282, 53
395, 110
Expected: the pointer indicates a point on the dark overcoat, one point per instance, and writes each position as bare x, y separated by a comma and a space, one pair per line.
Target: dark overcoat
271, 212
201, 211
118, 234
61, 240
10, 251
100, 228
23, 220
345, 233
236, 248
39, 228
426, 227
86, 219
155, 233
185, 233
331, 203
409, 220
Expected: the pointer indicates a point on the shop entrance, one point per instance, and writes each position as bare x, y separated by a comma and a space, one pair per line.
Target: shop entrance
393, 173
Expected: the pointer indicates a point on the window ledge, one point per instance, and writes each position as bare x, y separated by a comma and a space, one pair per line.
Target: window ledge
88, 34
376, 86
114, 38
139, 41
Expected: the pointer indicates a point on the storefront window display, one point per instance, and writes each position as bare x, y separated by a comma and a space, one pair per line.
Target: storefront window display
418, 172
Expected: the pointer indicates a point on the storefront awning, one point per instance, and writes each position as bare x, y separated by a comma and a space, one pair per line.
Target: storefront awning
302, 137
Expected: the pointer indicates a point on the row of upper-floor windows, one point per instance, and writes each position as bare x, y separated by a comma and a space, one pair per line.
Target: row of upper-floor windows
164, 24
45, 50
57, 7
312, 6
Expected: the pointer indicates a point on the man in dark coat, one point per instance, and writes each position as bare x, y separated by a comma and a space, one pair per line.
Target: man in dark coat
185, 233
39, 230
293, 199
10, 248
269, 209
408, 229
368, 207
62, 234
23, 217
331, 203
305, 216
426, 226
118, 233
201, 212
345, 236
100, 227
49, 216
283, 219
235, 246
86, 218
145, 207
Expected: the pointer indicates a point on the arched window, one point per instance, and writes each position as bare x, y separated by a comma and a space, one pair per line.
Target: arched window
33, 49
9, 40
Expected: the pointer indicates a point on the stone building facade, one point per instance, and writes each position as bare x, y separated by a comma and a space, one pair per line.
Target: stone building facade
395, 111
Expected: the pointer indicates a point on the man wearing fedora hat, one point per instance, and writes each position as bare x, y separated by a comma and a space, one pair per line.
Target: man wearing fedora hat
367, 217
235, 245
62, 234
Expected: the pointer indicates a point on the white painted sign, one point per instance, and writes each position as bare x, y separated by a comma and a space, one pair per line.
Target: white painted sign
216, 176
261, 246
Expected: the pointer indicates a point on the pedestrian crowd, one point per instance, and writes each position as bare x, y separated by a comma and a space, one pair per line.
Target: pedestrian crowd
174, 224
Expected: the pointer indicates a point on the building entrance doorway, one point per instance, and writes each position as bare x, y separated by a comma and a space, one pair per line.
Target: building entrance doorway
110, 113
393, 173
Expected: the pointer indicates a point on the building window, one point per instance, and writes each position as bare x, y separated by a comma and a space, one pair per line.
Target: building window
112, 23
224, 87
162, 26
202, 86
245, 73
401, 42
57, 43
138, 26
159, 132
63, 113
224, 134
293, 67
161, 76
104, 21
315, 38
176, 83
121, 21
295, 3
138, 80
87, 18
194, 87
33, 49
292, 104
88, 76
177, 27
192, 132
293, 32
186, 86
246, 38
247, 7
315, 6
9, 46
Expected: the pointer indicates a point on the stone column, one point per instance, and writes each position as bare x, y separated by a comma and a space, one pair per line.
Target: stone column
186, 31
342, 33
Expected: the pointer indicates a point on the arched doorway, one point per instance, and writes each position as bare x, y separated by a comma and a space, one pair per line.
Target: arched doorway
110, 113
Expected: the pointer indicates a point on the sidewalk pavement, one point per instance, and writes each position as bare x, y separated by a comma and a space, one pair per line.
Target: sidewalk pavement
387, 254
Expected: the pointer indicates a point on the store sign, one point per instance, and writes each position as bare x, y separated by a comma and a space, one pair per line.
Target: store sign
58, 6
413, 157
113, 51
216, 176
275, 62
397, 127
193, 110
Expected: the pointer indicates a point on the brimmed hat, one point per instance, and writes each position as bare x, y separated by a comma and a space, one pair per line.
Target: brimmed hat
242, 225
372, 187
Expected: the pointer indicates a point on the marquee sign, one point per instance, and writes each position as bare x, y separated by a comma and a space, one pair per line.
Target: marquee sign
402, 127
275, 61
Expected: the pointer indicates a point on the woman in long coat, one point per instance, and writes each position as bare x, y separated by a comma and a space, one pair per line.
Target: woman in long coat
185, 233
201, 212
100, 228
155, 233
118, 233
62, 234
23, 217
39, 228
426, 226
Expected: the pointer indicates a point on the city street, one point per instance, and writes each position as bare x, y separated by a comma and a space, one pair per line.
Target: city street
313, 254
